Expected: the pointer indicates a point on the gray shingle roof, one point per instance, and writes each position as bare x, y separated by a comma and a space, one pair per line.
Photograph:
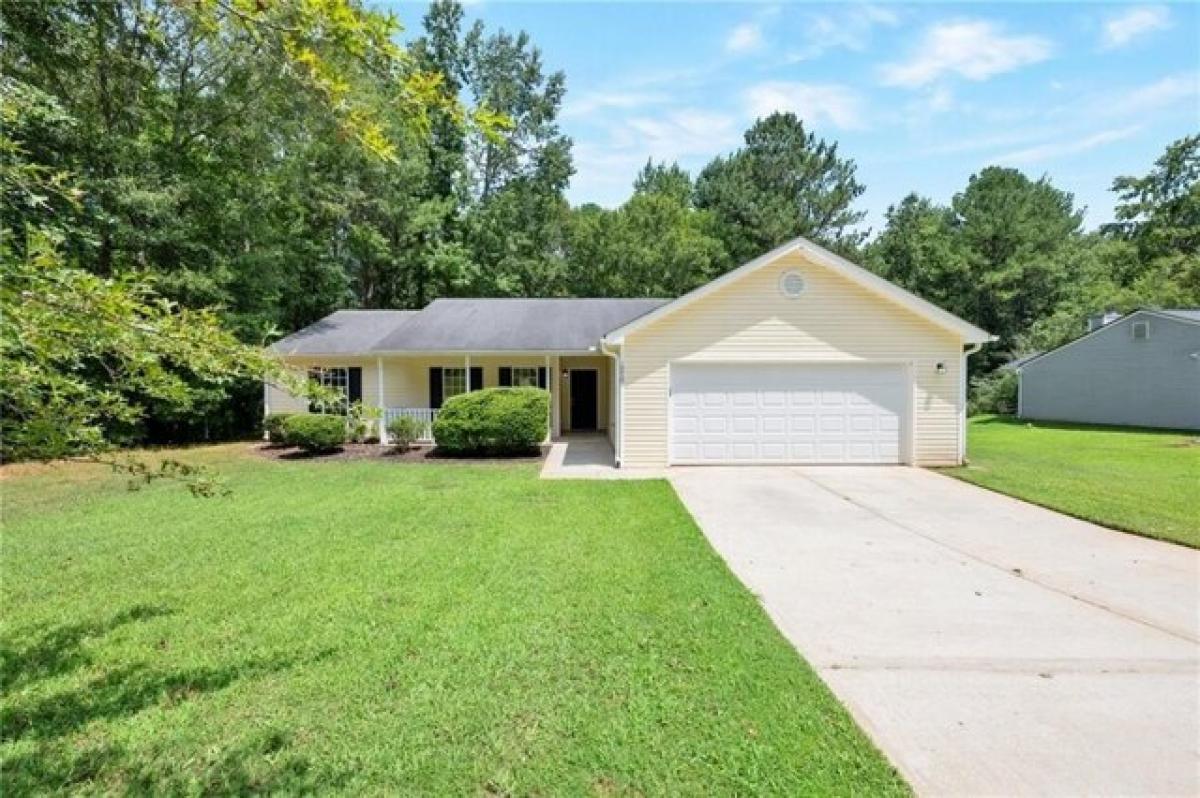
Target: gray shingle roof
469, 325
343, 332
501, 325
1184, 313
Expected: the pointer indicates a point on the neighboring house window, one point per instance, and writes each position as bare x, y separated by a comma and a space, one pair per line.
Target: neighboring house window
1141, 330
346, 381
525, 376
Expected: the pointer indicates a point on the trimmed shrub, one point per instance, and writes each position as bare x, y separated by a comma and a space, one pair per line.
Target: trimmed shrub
493, 421
315, 432
994, 393
273, 424
403, 431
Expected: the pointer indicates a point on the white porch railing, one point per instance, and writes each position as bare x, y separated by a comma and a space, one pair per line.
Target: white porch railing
423, 415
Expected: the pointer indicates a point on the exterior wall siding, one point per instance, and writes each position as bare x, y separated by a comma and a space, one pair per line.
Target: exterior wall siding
834, 320
1110, 378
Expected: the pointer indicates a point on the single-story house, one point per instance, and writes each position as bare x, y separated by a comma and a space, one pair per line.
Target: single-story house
1139, 370
798, 356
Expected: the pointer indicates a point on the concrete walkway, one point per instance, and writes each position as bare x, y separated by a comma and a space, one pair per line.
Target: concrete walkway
588, 455
988, 646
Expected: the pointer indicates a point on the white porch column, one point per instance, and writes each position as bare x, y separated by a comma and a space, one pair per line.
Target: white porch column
556, 397
379, 401
468, 370
550, 390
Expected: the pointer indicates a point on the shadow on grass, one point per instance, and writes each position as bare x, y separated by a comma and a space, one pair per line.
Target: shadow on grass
263, 762
29, 655
119, 693
41, 752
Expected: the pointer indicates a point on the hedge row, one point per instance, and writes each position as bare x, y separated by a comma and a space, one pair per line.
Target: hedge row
494, 421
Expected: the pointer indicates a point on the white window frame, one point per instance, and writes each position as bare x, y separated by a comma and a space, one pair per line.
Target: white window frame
336, 377
1145, 327
459, 374
524, 376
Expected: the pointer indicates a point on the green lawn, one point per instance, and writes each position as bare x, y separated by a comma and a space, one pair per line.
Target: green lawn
1143, 481
379, 628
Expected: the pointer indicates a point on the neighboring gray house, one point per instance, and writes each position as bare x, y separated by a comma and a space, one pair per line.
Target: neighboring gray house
1141, 370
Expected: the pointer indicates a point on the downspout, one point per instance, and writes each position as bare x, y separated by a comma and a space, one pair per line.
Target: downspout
1020, 391
962, 402
619, 444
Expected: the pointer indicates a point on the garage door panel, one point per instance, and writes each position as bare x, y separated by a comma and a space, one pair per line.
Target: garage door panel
773, 413
743, 425
774, 425
832, 423
861, 422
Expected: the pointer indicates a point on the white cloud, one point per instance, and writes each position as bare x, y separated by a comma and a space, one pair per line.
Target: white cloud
815, 103
1074, 146
592, 102
973, 49
678, 134
849, 28
1171, 90
605, 167
1133, 23
744, 38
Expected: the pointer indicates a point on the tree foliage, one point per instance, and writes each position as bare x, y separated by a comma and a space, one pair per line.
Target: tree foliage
1009, 254
785, 182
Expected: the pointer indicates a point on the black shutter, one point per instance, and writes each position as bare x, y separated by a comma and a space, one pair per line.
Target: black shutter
506, 376
355, 384
435, 387
476, 378
542, 377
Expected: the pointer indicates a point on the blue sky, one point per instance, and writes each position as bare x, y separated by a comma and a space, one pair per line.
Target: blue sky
920, 96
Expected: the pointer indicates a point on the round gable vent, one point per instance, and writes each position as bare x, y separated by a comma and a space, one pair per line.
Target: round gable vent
791, 284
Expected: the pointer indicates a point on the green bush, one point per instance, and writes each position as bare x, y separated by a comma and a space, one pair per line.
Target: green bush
493, 421
315, 432
403, 431
994, 393
273, 424
362, 421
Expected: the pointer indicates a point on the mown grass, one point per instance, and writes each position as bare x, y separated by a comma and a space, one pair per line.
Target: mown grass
1142, 481
378, 628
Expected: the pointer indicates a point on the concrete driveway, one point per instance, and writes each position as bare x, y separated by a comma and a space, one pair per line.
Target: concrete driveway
988, 646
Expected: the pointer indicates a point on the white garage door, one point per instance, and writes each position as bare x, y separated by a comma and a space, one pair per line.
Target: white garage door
776, 413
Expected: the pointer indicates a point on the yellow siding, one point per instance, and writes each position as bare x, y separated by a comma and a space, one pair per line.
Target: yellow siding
834, 320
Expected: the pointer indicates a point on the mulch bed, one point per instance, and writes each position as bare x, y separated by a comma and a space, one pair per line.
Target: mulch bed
373, 451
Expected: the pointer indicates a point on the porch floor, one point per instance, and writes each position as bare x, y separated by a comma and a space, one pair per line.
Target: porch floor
583, 455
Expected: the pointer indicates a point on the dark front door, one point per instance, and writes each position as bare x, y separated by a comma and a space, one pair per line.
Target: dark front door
583, 399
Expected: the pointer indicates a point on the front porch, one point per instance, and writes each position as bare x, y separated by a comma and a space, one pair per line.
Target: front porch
416, 387
581, 386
